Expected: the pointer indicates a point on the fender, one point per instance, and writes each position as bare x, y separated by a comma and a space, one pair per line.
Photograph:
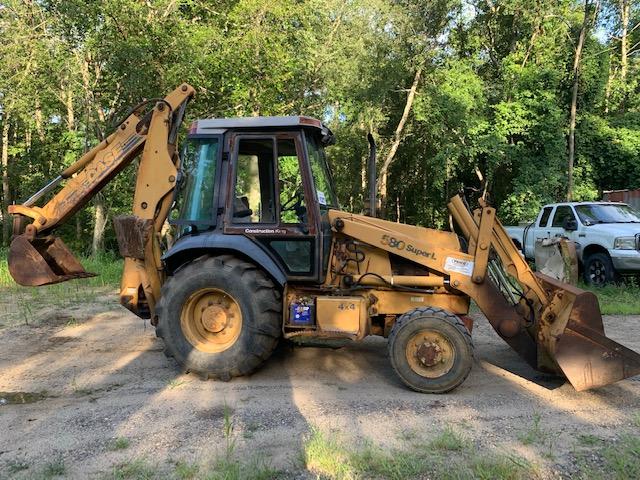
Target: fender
192, 246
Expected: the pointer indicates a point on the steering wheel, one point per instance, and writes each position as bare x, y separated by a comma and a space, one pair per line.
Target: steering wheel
294, 202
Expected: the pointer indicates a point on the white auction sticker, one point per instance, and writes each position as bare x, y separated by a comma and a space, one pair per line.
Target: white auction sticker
457, 265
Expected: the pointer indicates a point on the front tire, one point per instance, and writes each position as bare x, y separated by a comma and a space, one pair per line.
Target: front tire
598, 270
219, 317
430, 350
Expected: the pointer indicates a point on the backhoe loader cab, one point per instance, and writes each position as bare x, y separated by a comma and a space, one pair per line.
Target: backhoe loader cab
261, 187
264, 252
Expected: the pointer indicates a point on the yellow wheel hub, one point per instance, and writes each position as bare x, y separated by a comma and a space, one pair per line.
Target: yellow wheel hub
211, 320
430, 354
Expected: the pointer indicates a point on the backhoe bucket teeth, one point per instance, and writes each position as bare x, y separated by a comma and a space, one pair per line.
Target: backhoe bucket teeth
43, 261
575, 339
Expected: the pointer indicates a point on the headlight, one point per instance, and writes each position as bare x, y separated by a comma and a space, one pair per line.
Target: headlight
624, 243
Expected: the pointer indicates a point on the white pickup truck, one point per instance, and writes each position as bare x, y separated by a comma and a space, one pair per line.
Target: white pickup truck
607, 236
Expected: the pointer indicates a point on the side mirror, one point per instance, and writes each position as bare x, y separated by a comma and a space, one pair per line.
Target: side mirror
570, 224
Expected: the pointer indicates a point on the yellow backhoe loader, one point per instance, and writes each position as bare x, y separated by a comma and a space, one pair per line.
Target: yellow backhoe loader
264, 252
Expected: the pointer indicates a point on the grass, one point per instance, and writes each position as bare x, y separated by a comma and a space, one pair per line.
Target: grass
589, 440
15, 466
450, 440
23, 304
55, 468
534, 434
119, 443
622, 299
448, 456
619, 460
538, 436
135, 469
186, 471
623, 457
229, 467
409, 434
324, 455
249, 429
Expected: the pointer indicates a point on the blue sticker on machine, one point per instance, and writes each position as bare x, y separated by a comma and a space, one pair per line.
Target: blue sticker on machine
301, 314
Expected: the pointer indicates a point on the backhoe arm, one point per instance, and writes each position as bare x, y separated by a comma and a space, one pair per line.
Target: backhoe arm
37, 258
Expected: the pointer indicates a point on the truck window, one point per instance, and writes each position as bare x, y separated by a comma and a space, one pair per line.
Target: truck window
544, 219
562, 212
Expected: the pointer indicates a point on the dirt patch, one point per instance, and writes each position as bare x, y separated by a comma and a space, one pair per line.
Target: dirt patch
103, 377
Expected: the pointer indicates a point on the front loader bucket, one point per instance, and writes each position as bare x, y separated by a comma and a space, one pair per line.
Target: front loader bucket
43, 261
573, 335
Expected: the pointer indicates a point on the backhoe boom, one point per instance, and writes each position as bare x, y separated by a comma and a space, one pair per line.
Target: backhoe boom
37, 258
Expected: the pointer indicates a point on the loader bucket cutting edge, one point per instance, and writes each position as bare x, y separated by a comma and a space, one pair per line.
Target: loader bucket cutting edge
586, 356
43, 261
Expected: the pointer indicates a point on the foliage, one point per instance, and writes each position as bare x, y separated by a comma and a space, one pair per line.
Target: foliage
493, 91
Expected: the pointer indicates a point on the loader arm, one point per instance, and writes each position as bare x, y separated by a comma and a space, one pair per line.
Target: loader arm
555, 327
37, 258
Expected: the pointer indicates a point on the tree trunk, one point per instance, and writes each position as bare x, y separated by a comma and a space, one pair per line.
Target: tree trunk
574, 94
38, 119
607, 90
6, 200
97, 245
71, 118
625, 7
397, 138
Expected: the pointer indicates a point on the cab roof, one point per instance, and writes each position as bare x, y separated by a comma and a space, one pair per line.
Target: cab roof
212, 126
575, 204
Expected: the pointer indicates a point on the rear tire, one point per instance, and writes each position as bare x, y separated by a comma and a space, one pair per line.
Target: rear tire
598, 270
430, 350
219, 317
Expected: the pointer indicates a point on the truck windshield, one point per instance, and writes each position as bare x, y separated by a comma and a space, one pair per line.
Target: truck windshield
321, 176
591, 214
195, 200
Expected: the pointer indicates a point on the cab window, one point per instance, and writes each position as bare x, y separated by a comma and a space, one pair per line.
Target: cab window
195, 201
320, 172
254, 193
292, 204
562, 213
544, 219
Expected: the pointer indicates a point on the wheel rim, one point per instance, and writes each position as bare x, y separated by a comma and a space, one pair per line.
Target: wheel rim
597, 272
430, 354
211, 320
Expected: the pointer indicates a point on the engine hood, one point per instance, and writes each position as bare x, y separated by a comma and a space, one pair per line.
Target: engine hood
615, 229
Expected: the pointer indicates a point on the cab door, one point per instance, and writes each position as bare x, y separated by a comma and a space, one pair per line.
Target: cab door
557, 226
269, 200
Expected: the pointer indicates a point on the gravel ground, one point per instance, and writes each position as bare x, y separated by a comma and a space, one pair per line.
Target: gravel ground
94, 373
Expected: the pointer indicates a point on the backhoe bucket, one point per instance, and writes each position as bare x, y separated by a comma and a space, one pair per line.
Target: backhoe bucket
43, 261
572, 333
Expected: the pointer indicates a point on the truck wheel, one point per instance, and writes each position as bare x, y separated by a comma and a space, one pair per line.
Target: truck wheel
219, 317
430, 350
598, 270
